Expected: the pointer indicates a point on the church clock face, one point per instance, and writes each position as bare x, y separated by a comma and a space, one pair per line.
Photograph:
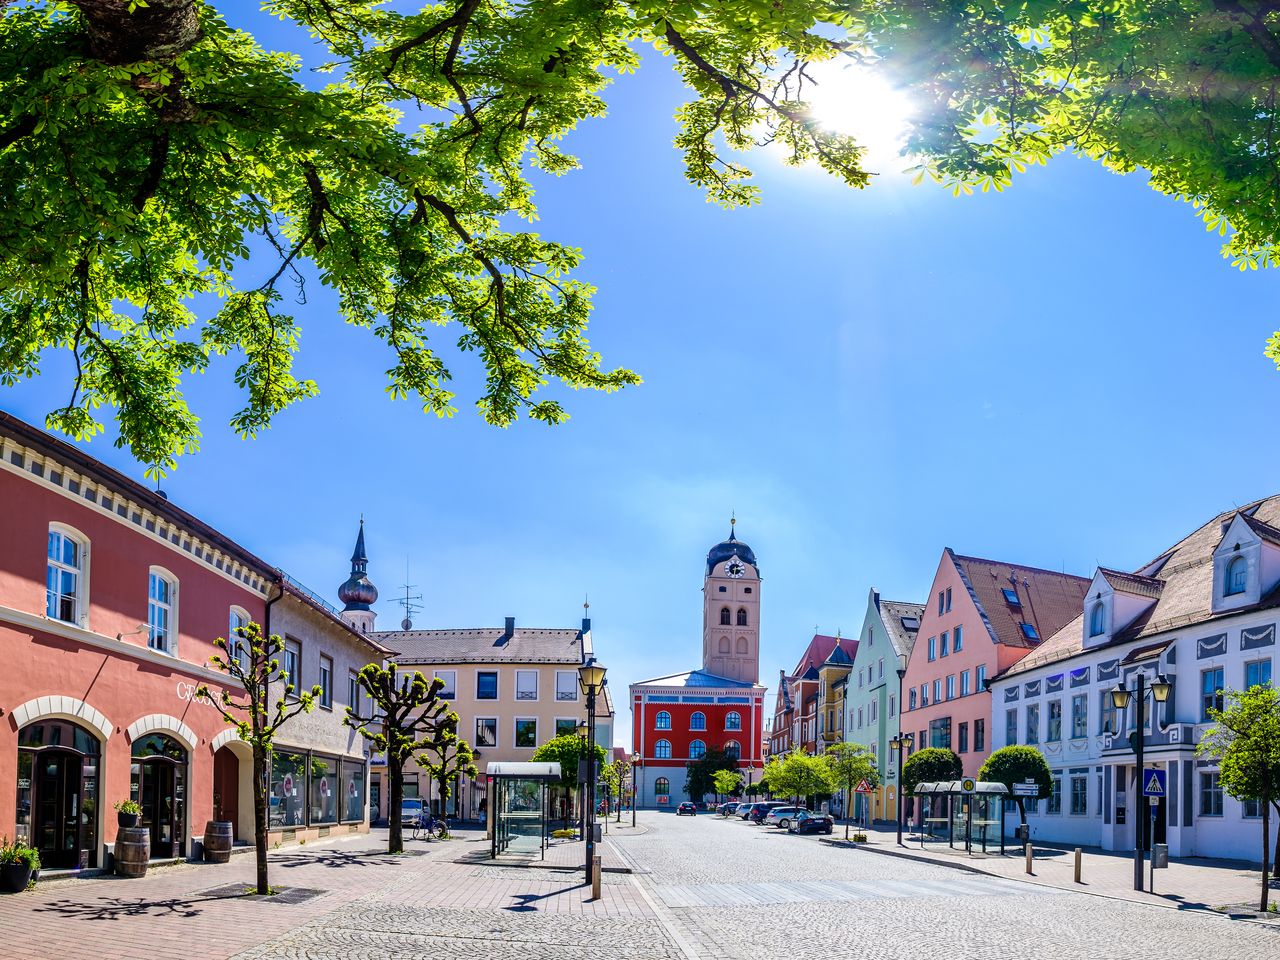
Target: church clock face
734, 568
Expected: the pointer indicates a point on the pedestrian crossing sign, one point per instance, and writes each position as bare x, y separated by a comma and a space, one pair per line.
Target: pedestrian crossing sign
1153, 783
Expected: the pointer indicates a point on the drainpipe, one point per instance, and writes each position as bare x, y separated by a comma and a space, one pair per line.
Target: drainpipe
266, 625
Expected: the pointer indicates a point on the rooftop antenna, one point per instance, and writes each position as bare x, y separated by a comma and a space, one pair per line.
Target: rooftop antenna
408, 600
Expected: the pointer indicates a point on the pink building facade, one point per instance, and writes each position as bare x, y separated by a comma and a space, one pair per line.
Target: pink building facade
982, 617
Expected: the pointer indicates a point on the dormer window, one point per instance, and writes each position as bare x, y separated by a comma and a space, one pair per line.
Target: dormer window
1098, 620
1011, 597
1237, 576
1029, 631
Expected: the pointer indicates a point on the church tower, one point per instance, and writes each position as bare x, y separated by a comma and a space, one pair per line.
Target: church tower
358, 594
731, 611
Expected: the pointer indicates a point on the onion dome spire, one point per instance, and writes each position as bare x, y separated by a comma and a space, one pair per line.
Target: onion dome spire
358, 593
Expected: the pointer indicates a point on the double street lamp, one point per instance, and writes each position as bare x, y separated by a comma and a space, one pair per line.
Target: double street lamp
1120, 698
901, 742
591, 679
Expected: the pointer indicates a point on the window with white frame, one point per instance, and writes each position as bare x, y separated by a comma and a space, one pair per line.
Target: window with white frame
526, 732
980, 677
1210, 795
1079, 795
1079, 716
64, 579
951, 686
942, 644
566, 727
1257, 673
1010, 727
697, 720
486, 731
161, 601
875, 710
964, 683
662, 721
937, 690
1210, 691
893, 704
237, 620
1098, 620
526, 684
957, 639
566, 685
1054, 733
732, 750
662, 750
450, 678
1106, 713
733, 720
1055, 794
1237, 576
326, 682
292, 664
697, 750
353, 690
1033, 724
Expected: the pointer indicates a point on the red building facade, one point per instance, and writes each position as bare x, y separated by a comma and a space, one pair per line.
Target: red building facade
676, 719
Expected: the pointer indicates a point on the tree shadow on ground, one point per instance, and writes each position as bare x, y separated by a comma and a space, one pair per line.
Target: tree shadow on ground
116, 908
337, 859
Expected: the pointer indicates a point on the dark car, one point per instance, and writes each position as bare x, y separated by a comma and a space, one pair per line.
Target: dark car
806, 822
761, 810
727, 809
688, 808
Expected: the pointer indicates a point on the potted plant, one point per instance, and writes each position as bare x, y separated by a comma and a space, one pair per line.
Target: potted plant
17, 863
128, 813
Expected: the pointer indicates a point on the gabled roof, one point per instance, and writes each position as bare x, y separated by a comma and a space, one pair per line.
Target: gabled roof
1132, 583
484, 645
893, 613
1186, 597
839, 655
1047, 599
1265, 531
695, 678
810, 674
818, 649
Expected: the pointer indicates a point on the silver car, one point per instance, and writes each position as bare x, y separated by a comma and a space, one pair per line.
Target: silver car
781, 816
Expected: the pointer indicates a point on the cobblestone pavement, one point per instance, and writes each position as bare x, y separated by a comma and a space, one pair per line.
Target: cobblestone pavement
728, 889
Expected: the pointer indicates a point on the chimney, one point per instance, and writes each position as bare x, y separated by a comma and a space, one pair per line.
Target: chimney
510, 630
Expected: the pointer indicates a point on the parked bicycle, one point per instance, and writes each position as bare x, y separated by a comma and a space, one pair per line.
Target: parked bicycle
429, 827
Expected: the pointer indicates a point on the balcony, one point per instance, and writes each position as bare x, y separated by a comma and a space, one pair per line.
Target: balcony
831, 736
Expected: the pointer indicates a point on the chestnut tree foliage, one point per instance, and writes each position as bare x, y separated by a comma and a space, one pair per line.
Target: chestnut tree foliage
147, 148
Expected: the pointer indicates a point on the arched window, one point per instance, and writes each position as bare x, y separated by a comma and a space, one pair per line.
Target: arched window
65, 597
1237, 574
698, 720
662, 787
1097, 620
162, 610
724, 616
724, 645
662, 750
733, 720
742, 644
662, 721
742, 617
732, 750
697, 750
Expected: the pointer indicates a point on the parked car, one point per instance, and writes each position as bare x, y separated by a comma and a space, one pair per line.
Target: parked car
781, 816
727, 809
760, 810
806, 822
688, 808
411, 811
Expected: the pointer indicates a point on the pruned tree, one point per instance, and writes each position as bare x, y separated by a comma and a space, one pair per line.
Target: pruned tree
727, 782
1245, 742
405, 716
851, 765
1016, 764
448, 757
252, 662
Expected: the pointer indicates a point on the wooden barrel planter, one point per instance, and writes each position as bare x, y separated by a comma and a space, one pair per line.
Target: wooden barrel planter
132, 851
218, 838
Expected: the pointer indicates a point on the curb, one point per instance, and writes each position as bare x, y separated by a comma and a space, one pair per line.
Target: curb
554, 868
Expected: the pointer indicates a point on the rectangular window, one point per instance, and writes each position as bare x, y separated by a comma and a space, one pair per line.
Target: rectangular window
353, 690
236, 647
326, 682
159, 612
892, 705
933, 648
980, 678
1055, 795
940, 733
1079, 796
957, 638
1257, 674
1011, 597
526, 684
1054, 733
450, 689
964, 684
911, 699
937, 690
924, 694
951, 687
1210, 795
881, 667
566, 727
351, 783
859, 718
1010, 727
941, 599
1210, 691
487, 685
293, 664
1253, 809
963, 746
979, 735
526, 733
1029, 631
566, 685
288, 790
486, 731
324, 789
1079, 716
1106, 713
942, 644
948, 600
875, 710
1033, 724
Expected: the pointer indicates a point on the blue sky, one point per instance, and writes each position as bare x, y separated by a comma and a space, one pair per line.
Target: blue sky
1062, 375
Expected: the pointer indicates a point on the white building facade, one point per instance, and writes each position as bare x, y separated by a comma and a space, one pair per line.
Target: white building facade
1204, 615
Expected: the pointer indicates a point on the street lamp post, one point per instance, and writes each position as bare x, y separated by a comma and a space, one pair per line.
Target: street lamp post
635, 762
1120, 700
902, 741
591, 678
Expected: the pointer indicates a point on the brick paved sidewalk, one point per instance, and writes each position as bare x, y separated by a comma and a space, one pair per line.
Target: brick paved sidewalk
1188, 883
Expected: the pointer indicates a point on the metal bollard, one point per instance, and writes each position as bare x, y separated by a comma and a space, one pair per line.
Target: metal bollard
1077, 865
595, 878
1028, 850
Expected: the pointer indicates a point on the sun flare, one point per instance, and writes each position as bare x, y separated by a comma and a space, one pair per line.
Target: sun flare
853, 100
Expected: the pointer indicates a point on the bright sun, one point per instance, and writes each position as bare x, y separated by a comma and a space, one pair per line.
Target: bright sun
852, 100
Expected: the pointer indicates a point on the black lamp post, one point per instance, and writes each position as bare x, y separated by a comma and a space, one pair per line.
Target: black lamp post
902, 741
591, 679
635, 762
1120, 700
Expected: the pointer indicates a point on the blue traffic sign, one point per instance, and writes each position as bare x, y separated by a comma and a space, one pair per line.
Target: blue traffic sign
1153, 783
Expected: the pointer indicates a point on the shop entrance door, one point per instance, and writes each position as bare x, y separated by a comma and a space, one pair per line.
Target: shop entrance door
159, 806
57, 808
226, 787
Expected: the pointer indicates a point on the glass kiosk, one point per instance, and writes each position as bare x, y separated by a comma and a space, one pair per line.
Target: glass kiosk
971, 812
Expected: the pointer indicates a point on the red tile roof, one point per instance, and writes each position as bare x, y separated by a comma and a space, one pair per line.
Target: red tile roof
1049, 599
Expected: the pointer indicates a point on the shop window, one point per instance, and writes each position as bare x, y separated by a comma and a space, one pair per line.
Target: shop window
158, 774
324, 790
61, 823
352, 779
65, 576
162, 600
288, 790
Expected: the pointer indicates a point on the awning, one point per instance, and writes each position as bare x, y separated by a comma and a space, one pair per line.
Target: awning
518, 770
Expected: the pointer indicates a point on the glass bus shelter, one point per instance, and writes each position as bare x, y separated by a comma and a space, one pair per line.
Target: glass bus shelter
966, 812
519, 814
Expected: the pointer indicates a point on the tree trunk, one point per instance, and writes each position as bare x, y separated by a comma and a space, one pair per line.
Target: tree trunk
1266, 850
160, 30
1275, 857
260, 816
395, 773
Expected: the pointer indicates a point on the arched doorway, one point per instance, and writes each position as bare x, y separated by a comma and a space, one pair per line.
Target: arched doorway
158, 784
233, 787
58, 768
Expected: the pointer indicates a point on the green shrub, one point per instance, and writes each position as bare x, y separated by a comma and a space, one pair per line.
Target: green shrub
19, 853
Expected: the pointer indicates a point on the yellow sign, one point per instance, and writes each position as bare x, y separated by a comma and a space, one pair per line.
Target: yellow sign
968, 785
